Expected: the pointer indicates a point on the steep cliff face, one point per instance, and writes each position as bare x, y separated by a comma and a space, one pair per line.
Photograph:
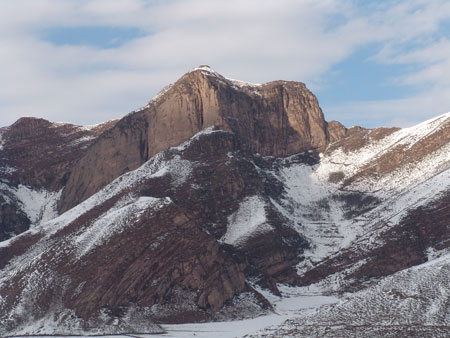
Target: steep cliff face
278, 119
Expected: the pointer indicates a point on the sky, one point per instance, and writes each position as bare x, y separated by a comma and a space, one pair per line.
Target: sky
370, 63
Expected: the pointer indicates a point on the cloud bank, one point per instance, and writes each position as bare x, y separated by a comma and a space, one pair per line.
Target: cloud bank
252, 40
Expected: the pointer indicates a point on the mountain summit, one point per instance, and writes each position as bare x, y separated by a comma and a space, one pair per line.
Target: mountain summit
278, 118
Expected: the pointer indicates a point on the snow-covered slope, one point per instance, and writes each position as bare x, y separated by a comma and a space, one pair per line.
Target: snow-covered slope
121, 216
354, 210
408, 143
411, 303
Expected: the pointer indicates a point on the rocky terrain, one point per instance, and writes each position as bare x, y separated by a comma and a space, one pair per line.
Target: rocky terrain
207, 202
35, 161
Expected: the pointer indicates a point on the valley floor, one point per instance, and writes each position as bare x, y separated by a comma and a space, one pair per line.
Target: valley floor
294, 302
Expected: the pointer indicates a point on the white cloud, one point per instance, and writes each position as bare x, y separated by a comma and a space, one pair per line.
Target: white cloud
251, 40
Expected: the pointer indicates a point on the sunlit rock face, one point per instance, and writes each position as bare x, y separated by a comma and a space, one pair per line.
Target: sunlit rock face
279, 118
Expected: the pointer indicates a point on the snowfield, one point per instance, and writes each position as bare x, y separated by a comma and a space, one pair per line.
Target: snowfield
292, 303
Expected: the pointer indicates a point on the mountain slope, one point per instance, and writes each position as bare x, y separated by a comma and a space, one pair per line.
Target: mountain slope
140, 237
410, 303
417, 179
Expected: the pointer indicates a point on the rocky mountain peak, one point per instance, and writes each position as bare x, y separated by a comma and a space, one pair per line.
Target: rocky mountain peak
278, 118
26, 127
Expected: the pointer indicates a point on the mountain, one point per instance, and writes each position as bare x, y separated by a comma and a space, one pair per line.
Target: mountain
215, 193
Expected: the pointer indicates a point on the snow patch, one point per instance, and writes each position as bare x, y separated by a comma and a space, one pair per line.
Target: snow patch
252, 88
83, 139
207, 131
249, 220
39, 205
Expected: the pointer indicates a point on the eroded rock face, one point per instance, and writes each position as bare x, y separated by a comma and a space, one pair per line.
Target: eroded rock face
278, 119
336, 131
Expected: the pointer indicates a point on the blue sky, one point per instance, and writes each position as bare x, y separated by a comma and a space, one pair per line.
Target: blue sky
102, 37
87, 61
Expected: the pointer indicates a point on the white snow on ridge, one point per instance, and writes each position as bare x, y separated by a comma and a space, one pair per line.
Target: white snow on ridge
206, 131
350, 163
154, 99
158, 96
83, 139
156, 167
247, 221
39, 205
237, 84
114, 221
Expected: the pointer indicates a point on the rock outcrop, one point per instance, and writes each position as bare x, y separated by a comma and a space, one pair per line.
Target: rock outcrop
39, 153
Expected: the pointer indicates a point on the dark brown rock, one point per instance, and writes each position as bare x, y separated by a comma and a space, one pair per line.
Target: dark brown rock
12, 220
41, 152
